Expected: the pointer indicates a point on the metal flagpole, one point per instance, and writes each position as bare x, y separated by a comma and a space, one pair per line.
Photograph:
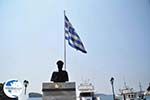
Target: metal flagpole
64, 44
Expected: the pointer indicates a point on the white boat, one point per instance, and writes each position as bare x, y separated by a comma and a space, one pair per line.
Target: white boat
129, 94
86, 90
147, 92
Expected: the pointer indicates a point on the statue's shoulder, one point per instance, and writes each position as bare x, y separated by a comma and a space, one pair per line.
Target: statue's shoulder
54, 73
64, 71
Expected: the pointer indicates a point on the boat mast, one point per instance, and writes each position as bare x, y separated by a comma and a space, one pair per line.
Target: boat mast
140, 86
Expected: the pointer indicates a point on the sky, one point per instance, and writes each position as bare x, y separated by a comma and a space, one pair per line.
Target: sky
115, 33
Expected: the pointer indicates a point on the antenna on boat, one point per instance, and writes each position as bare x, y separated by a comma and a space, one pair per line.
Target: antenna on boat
125, 84
140, 86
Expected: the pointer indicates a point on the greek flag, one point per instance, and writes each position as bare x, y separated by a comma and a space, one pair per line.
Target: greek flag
72, 37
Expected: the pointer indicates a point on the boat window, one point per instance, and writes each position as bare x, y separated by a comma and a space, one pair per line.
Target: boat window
132, 96
86, 94
129, 96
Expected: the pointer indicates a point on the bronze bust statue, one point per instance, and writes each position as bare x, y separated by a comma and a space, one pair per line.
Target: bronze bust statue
61, 75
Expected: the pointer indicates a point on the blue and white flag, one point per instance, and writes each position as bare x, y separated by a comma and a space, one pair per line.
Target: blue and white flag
72, 37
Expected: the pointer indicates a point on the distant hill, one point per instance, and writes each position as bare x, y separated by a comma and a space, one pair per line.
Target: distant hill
35, 96
104, 96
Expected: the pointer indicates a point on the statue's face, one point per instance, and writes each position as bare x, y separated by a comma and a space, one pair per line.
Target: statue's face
60, 67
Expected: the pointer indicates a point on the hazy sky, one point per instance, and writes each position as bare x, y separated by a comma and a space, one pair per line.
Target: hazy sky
115, 33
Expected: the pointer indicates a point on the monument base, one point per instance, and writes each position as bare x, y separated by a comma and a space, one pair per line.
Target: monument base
59, 91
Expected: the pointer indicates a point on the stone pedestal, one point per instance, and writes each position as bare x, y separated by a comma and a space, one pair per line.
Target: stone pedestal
59, 91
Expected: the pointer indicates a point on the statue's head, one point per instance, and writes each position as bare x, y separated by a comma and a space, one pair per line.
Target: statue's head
60, 64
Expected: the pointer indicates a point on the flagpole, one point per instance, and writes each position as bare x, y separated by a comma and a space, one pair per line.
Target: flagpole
64, 44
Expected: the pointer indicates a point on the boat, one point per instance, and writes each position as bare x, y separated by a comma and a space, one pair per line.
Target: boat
128, 93
147, 92
86, 91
